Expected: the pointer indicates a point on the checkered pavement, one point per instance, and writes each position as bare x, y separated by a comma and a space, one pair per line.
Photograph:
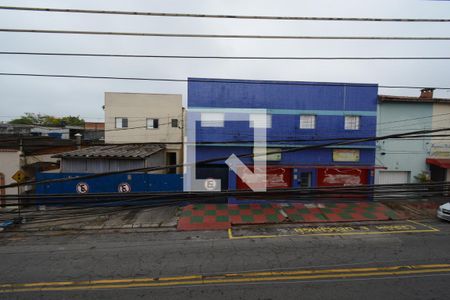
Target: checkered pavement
223, 216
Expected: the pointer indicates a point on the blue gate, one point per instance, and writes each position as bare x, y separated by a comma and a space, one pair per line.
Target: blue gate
111, 183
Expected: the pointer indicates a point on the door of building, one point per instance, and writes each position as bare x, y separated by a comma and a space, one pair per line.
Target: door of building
171, 159
215, 172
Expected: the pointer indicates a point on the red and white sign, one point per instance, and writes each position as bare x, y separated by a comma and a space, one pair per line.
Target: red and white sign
276, 178
342, 177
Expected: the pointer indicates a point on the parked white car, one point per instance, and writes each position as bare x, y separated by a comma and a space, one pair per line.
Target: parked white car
443, 211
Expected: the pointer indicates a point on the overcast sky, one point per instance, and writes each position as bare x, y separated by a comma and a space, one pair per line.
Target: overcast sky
85, 97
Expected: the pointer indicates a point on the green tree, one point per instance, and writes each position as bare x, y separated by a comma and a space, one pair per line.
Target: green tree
47, 120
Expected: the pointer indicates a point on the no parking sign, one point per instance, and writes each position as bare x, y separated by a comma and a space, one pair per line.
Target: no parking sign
124, 187
82, 188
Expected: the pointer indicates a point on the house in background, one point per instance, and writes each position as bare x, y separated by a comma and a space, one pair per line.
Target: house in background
94, 131
32, 155
439, 159
299, 114
146, 118
10, 163
407, 159
111, 158
15, 129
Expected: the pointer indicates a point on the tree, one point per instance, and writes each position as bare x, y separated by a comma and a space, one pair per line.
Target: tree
47, 120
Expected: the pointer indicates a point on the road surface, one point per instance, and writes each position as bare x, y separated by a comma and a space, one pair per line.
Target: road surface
395, 260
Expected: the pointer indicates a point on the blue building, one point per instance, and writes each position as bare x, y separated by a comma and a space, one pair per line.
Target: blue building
295, 114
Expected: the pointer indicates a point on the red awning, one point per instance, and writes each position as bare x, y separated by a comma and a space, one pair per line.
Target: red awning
440, 162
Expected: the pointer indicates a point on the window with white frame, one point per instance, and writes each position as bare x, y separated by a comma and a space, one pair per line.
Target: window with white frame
307, 121
351, 123
121, 122
152, 123
260, 121
212, 119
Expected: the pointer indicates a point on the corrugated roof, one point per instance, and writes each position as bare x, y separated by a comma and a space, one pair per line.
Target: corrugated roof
129, 151
389, 98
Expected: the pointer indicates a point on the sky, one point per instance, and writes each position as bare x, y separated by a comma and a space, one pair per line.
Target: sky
85, 97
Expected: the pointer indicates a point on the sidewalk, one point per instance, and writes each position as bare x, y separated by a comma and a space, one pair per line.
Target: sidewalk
223, 216
215, 216
54, 219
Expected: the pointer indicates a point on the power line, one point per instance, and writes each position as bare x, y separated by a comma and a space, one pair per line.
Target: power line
228, 36
213, 80
226, 57
216, 16
218, 159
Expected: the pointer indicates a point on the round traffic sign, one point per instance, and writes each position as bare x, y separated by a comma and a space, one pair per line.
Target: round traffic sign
210, 184
82, 188
124, 187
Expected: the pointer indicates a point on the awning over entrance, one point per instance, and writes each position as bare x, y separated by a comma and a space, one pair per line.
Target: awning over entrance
440, 162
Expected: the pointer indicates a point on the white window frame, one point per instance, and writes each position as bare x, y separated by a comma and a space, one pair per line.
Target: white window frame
260, 121
212, 119
352, 122
120, 124
307, 121
152, 123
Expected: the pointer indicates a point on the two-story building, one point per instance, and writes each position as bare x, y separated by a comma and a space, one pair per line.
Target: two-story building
409, 160
146, 118
294, 115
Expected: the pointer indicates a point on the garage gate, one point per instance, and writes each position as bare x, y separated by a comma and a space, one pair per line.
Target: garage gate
393, 177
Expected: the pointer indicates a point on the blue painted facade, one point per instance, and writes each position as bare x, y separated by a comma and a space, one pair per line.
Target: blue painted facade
285, 102
109, 184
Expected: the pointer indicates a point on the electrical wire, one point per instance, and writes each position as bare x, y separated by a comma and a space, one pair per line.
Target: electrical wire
227, 36
217, 16
213, 80
288, 150
226, 57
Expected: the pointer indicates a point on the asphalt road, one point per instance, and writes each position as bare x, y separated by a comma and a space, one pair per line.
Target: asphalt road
400, 261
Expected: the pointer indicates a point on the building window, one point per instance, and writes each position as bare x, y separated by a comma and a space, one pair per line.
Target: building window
212, 119
351, 123
260, 121
121, 122
174, 123
307, 121
152, 123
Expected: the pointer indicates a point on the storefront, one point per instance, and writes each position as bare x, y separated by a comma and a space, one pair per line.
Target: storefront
439, 169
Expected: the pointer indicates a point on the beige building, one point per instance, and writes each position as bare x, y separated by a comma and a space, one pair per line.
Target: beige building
441, 119
10, 163
146, 118
440, 146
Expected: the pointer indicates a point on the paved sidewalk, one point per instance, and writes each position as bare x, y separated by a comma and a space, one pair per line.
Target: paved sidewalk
54, 218
215, 216
223, 216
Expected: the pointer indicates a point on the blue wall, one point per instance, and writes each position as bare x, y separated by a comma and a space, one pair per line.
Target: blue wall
285, 101
203, 92
109, 184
